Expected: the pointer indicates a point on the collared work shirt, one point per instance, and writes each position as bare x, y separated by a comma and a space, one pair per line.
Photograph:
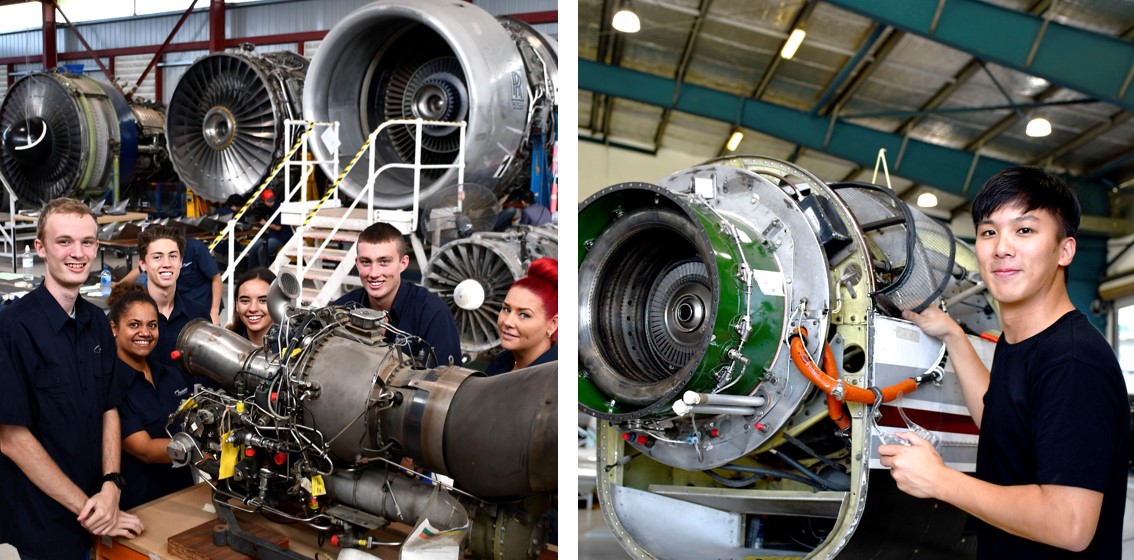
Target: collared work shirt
57, 379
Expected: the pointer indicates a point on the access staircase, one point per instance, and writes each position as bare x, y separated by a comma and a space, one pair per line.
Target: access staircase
321, 254
330, 271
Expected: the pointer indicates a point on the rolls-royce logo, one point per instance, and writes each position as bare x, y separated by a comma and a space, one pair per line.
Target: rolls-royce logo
517, 91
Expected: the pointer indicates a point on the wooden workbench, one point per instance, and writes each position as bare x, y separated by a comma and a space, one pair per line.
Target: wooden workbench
184, 510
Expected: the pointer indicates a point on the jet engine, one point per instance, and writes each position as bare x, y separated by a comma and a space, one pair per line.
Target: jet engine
69, 135
473, 275
226, 119
740, 341
314, 427
438, 61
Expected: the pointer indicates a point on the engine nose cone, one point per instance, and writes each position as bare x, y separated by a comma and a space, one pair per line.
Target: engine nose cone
29, 141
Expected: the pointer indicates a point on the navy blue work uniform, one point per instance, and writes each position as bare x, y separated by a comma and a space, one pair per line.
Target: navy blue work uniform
147, 408
198, 268
57, 375
506, 360
419, 312
169, 328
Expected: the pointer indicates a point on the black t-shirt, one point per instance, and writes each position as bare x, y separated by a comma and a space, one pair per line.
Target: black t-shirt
1057, 412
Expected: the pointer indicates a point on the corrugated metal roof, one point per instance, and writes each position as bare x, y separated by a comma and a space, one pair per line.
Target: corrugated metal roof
856, 66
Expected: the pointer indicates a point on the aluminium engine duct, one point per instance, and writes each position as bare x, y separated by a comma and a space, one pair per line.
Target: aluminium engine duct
436, 60
61, 133
225, 122
707, 302
473, 275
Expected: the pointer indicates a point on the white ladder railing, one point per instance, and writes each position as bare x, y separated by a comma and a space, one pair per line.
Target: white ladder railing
307, 166
407, 222
8, 231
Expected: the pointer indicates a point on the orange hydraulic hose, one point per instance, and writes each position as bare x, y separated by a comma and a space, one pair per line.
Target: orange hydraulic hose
834, 405
851, 393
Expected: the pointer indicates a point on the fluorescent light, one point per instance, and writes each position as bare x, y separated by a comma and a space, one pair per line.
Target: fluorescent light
1038, 127
626, 21
927, 200
793, 43
734, 140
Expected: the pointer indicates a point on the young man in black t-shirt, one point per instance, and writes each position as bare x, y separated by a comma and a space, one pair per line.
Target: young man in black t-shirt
1053, 413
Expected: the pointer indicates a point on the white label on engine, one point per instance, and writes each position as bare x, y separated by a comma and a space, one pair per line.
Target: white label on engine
703, 187
330, 138
912, 335
771, 282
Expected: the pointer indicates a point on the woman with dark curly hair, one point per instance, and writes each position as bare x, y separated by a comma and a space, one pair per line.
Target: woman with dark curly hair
153, 392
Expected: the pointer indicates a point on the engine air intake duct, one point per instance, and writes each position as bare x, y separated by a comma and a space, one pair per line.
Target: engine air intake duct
438, 61
226, 119
59, 130
662, 308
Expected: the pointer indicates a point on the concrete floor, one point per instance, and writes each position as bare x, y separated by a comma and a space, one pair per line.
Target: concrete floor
596, 542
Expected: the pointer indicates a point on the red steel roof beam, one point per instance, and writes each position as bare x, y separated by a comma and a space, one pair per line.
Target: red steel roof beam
216, 26
50, 51
105, 71
161, 50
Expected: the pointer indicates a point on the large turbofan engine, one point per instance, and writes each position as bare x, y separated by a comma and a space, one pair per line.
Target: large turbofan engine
63, 132
312, 427
473, 275
738, 339
226, 119
441, 61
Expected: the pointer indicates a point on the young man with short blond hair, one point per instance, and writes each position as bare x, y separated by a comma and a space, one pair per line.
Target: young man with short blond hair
59, 425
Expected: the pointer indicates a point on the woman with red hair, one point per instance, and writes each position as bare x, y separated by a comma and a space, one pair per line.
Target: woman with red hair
529, 320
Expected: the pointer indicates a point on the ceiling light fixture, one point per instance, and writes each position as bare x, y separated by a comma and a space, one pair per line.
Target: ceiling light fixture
625, 20
927, 200
793, 42
734, 140
1038, 127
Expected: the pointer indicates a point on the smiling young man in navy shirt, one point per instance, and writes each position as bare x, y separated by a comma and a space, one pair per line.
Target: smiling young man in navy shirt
59, 426
382, 257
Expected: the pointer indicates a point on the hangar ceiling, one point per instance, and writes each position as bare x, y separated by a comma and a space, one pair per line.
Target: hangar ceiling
946, 86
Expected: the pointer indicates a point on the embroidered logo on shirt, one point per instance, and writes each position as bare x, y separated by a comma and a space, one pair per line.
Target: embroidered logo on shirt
180, 392
98, 349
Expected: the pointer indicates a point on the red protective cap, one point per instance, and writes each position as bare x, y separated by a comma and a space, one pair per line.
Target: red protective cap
280, 458
642, 440
714, 433
176, 355
249, 452
626, 436
334, 540
275, 395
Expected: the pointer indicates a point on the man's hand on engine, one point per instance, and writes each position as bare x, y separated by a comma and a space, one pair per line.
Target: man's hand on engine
915, 467
934, 322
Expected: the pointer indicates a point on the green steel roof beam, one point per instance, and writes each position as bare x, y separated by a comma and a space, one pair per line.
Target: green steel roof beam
945, 168
1017, 40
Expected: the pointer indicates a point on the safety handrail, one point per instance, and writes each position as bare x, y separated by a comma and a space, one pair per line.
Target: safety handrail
229, 232
367, 191
9, 229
